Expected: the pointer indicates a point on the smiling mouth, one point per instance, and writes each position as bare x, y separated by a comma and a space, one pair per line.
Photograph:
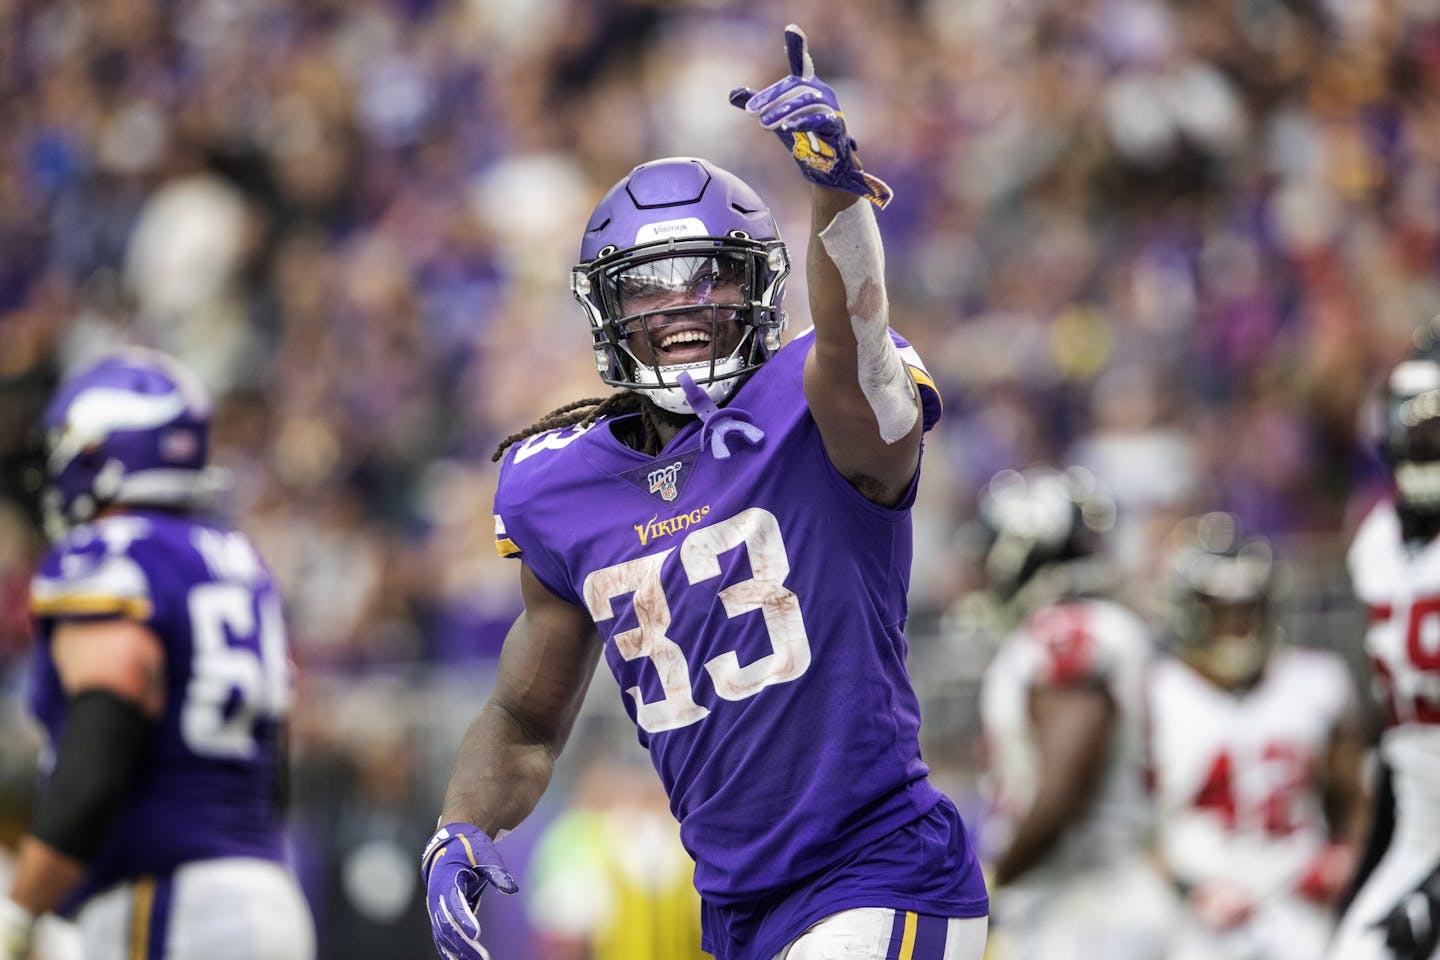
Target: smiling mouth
683, 346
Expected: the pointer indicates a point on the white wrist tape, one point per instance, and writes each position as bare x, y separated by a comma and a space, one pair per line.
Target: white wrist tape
17, 929
852, 240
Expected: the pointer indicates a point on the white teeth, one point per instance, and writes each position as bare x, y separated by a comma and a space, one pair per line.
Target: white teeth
684, 336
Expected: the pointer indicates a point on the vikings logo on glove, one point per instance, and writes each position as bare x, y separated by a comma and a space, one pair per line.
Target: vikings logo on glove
813, 152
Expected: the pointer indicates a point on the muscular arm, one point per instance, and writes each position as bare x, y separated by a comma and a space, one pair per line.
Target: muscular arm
848, 421
1072, 737
122, 658
1346, 803
508, 754
1343, 796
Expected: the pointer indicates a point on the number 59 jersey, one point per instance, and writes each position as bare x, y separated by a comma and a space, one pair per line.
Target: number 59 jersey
208, 781
1401, 587
752, 610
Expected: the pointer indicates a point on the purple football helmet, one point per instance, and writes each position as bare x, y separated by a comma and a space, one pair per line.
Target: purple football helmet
131, 428
681, 270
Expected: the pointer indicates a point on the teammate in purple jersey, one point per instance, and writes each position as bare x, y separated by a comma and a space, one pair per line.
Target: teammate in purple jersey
162, 677
731, 532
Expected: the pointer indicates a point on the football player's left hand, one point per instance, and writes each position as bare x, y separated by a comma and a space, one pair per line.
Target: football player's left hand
1412, 928
17, 930
804, 114
459, 862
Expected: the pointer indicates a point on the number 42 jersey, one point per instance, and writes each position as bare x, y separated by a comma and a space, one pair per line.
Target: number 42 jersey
752, 610
207, 785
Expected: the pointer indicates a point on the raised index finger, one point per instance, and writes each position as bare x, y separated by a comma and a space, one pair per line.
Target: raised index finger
795, 51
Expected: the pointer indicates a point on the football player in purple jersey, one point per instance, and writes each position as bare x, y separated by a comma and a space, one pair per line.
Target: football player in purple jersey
162, 677
730, 532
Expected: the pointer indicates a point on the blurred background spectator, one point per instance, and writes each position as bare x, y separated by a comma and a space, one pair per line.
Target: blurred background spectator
610, 879
1174, 241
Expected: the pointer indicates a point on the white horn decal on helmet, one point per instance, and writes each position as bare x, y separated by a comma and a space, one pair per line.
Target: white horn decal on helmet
101, 411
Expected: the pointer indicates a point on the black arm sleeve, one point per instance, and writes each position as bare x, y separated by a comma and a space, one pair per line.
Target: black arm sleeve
1382, 827
99, 751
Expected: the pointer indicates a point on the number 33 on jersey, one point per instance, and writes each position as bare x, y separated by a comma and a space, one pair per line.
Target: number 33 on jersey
743, 604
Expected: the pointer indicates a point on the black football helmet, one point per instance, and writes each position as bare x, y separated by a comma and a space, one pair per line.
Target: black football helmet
1410, 443
1043, 534
1222, 587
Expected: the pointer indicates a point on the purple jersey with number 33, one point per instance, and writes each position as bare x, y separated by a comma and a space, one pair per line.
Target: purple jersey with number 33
752, 610
207, 784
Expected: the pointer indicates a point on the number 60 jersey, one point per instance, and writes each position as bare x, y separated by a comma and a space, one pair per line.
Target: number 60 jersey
752, 610
207, 786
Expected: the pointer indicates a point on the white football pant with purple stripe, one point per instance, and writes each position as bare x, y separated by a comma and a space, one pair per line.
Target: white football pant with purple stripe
880, 933
228, 909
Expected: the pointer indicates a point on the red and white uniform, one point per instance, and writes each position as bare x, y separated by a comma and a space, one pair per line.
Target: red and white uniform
1401, 587
1239, 800
1096, 884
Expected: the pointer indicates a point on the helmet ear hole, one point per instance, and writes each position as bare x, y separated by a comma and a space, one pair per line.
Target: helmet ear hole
738, 235
605, 251
108, 478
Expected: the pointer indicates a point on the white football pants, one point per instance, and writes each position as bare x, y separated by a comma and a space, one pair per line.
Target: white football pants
226, 909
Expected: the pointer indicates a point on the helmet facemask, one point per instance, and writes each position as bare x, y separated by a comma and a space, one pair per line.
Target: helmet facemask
681, 246
1234, 639
1413, 450
706, 306
1221, 611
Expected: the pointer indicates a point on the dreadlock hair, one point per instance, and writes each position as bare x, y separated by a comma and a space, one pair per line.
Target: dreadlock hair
585, 412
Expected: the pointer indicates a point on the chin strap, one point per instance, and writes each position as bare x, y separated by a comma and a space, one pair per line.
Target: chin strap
716, 424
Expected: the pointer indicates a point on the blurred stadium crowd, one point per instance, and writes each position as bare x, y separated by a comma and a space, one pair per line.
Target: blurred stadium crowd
1174, 241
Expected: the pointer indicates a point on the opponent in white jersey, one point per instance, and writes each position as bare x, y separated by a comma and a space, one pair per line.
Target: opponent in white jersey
1061, 704
1395, 568
1255, 751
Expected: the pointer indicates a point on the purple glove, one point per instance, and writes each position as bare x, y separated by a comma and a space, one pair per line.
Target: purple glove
805, 116
459, 862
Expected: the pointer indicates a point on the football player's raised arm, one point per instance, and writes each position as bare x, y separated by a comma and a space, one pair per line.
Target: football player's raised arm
859, 390
508, 754
113, 676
